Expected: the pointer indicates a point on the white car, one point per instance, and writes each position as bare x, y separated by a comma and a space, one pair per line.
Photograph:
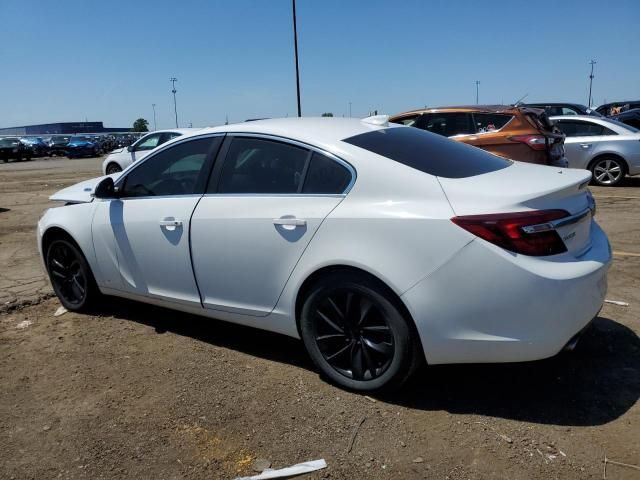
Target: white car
121, 158
380, 245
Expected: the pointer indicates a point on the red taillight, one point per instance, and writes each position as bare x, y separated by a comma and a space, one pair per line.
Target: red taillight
506, 230
536, 142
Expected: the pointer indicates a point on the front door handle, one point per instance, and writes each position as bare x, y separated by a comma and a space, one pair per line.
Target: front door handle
585, 145
292, 222
170, 223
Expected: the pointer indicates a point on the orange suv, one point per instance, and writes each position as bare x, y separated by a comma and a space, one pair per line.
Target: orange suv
518, 133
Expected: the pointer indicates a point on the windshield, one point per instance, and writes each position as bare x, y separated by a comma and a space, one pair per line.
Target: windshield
8, 142
79, 139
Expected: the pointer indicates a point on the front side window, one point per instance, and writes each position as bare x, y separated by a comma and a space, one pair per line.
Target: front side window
446, 124
408, 121
254, 165
178, 170
148, 143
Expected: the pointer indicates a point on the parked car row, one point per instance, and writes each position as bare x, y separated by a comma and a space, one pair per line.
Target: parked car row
72, 146
578, 138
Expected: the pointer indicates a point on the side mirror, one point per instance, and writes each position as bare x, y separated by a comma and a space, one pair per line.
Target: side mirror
129, 148
105, 189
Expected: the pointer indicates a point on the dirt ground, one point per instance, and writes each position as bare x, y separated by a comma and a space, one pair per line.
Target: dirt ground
141, 392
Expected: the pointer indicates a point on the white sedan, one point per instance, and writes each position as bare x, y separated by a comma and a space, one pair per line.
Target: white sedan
381, 246
121, 158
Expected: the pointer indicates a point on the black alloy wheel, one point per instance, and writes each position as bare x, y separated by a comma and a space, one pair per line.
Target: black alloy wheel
356, 334
70, 275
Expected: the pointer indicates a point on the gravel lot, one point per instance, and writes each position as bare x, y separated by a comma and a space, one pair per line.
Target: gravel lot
138, 391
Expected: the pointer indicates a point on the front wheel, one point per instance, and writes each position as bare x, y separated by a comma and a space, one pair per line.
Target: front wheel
356, 334
608, 172
71, 276
113, 168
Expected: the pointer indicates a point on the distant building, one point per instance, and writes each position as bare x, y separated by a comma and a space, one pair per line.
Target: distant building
61, 128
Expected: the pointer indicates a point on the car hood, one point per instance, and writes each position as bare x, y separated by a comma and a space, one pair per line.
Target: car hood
80, 192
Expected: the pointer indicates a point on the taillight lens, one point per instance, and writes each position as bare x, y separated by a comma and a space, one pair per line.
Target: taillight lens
536, 142
506, 230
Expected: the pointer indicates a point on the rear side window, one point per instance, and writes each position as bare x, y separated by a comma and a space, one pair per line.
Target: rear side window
446, 124
489, 122
262, 166
429, 153
583, 129
325, 176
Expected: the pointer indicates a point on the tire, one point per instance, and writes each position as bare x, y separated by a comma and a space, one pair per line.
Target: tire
375, 351
113, 168
70, 276
608, 171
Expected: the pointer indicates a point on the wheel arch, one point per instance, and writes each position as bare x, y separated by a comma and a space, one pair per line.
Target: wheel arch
53, 233
602, 155
316, 275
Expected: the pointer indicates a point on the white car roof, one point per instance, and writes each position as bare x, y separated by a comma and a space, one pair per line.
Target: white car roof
320, 131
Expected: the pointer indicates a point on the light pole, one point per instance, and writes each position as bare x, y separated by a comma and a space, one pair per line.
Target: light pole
477, 91
155, 126
173, 81
295, 43
592, 62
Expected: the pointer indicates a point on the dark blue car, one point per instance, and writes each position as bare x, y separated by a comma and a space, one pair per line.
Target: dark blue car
81, 147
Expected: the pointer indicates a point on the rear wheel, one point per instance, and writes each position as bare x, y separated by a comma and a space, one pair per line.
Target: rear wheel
608, 171
355, 333
70, 275
113, 168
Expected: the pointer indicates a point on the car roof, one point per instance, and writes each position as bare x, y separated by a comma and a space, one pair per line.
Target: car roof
555, 104
320, 131
463, 108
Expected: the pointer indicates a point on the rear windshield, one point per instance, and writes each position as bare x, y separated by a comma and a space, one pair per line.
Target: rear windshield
428, 152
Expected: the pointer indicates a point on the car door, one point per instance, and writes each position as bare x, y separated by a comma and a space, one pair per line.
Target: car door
581, 141
147, 227
265, 201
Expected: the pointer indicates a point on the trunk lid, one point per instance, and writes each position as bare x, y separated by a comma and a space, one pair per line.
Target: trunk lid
523, 187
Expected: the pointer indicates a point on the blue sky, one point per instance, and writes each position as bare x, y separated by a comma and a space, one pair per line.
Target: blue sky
109, 61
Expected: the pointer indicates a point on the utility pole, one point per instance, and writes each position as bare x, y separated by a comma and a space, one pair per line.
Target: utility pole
349, 109
477, 91
155, 126
295, 43
592, 62
173, 81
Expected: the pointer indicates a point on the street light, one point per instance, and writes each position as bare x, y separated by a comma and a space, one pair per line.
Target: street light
155, 127
295, 43
173, 81
592, 62
477, 91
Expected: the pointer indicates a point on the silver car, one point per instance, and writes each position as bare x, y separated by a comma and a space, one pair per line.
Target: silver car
608, 148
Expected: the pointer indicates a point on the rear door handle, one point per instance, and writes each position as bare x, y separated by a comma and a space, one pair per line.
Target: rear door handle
294, 222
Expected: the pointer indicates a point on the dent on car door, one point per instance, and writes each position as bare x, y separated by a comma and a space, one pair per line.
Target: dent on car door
147, 228
265, 202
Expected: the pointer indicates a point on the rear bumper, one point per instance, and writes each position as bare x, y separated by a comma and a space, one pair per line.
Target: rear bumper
488, 305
